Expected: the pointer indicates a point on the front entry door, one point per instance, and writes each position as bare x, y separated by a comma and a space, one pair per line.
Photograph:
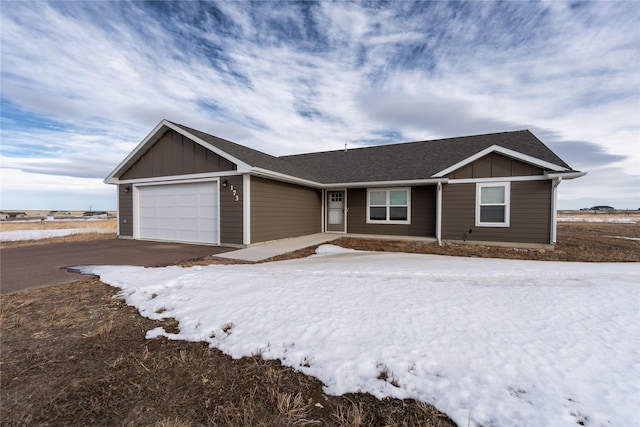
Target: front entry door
335, 211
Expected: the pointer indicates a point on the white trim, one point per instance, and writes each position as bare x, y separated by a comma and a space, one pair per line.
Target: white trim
507, 204
439, 213
118, 211
554, 210
323, 215
567, 175
246, 209
499, 179
505, 151
135, 193
344, 209
194, 176
266, 173
153, 137
388, 205
385, 184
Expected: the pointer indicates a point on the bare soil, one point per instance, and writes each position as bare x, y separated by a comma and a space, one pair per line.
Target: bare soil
75, 355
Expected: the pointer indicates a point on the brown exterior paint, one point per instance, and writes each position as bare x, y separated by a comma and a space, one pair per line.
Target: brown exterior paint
174, 154
125, 210
280, 210
495, 165
231, 211
423, 214
530, 214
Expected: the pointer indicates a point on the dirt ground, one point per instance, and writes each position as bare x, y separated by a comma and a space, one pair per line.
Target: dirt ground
75, 355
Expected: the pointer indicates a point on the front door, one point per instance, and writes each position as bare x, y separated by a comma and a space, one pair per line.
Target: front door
335, 211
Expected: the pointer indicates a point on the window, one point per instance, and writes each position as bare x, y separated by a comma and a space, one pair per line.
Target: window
492, 204
389, 206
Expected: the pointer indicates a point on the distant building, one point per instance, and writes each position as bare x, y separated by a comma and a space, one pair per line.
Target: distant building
96, 214
6, 216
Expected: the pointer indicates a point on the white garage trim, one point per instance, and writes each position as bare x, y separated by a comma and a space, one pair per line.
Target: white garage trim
177, 211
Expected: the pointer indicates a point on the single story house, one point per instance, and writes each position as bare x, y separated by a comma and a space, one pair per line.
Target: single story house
183, 185
6, 215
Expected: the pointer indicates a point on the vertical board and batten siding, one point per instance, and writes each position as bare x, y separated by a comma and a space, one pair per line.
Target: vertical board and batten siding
423, 214
280, 210
530, 205
530, 214
174, 154
125, 210
495, 165
231, 211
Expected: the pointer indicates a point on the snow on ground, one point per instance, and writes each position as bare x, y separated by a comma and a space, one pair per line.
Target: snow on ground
19, 235
488, 341
619, 220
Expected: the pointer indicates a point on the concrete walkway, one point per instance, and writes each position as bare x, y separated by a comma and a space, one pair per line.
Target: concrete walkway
262, 251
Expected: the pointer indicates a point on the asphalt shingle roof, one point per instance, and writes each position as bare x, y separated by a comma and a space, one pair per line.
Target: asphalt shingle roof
392, 162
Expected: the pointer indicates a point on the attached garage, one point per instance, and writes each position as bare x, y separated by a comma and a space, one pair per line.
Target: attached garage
183, 185
179, 212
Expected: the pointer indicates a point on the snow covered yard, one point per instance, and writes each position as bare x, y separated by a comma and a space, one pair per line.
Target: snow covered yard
490, 342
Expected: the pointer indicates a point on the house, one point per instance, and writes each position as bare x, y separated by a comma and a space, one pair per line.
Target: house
180, 184
7, 216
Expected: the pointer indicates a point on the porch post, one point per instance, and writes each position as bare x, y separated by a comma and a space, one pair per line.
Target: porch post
439, 213
554, 209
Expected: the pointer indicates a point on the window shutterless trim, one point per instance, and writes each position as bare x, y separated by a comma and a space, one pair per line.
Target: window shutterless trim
506, 204
388, 206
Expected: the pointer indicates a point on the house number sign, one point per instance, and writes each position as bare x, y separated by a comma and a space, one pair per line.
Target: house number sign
235, 192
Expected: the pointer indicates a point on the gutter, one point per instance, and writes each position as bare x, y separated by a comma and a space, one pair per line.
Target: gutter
565, 175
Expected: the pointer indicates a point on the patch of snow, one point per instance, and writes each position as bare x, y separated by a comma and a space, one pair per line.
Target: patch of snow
332, 250
625, 238
628, 220
20, 235
488, 341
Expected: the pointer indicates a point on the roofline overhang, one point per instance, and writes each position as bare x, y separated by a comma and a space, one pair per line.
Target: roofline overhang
154, 135
507, 152
566, 175
266, 173
401, 182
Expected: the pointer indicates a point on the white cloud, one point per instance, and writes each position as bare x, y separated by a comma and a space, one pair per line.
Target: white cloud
306, 77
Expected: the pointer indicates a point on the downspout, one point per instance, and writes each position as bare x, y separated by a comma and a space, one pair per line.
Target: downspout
439, 213
554, 209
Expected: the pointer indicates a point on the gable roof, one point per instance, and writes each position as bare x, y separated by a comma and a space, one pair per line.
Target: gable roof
411, 161
423, 159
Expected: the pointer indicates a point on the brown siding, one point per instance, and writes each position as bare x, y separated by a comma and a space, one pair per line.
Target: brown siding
423, 214
174, 154
530, 220
125, 208
495, 165
280, 210
231, 211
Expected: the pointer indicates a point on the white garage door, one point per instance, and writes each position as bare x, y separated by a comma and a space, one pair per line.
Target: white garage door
179, 212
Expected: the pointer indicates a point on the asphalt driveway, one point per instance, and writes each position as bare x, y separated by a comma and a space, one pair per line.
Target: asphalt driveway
28, 267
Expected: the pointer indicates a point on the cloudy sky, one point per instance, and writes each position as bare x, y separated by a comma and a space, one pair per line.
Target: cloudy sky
84, 82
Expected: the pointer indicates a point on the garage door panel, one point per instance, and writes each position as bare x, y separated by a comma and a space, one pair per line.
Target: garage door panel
179, 212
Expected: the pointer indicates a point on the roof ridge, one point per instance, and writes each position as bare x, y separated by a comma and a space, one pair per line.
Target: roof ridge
392, 144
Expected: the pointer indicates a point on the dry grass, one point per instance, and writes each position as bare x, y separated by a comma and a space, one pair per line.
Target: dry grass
108, 225
579, 241
75, 355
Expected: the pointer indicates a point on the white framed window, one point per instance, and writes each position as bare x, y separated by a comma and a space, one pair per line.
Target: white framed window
493, 204
389, 205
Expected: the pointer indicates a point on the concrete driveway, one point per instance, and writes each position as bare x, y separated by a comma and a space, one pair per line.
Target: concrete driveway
29, 267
